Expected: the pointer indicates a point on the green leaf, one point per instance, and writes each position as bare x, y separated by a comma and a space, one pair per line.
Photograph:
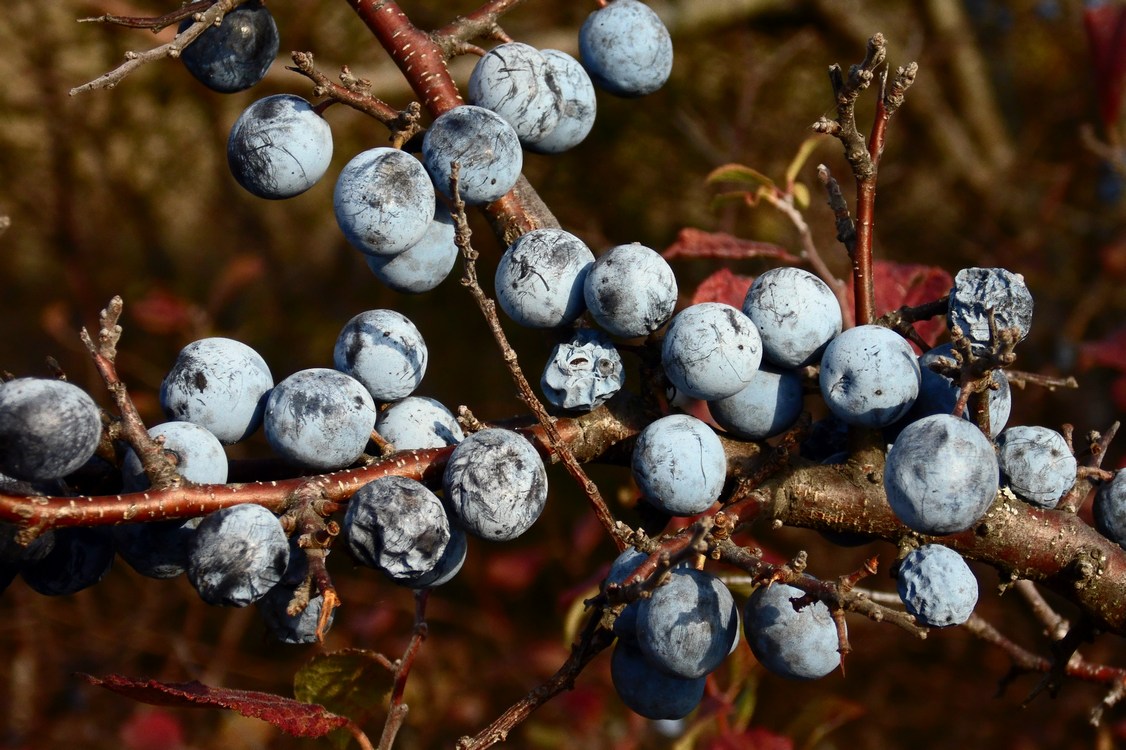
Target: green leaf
801, 195
808, 146
740, 174
351, 682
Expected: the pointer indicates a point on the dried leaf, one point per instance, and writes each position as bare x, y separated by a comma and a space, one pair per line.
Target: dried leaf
696, 243
291, 716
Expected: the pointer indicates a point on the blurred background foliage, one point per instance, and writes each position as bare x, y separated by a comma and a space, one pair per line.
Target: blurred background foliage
127, 192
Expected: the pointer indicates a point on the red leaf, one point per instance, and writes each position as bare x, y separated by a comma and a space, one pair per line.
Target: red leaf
152, 730
723, 286
696, 243
162, 312
1107, 352
754, 738
289, 715
908, 284
1106, 32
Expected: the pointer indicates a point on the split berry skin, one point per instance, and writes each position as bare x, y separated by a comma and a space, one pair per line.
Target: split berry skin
679, 464
397, 525
578, 105
515, 81
796, 314
869, 376
800, 644
237, 53
48, 428
981, 293
626, 49
425, 264
417, 422
383, 350
319, 419
496, 484
937, 586
630, 290
237, 555
583, 373
539, 279
686, 627
1036, 464
483, 144
279, 147
647, 690
383, 201
220, 384
711, 350
941, 475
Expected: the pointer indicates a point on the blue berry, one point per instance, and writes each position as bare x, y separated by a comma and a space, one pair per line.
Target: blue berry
869, 376
425, 264
648, 691
418, 422
397, 525
940, 475
583, 373
1109, 509
938, 394
157, 549
624, 565
496, 484
1036, 464
578, 105
937, 586
220, 384
383, 350
483, 144
800, 644
630, 290
539, 280
48, 428
299, 628
279, 147
319, 419
626, 48
237, 53
679, 464
769, 405
711, 351
384, 201
76, 559
796, 313
979, 291
686, 627
198, 455
514, 80
448, 564
237, 555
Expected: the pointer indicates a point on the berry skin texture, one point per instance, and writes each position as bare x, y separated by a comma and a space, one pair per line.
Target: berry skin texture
515, 81
583, 373
425, 264
383, 350
237, 555
1109, 509
199, 456
319, 419
798, 644
1036, 464
539, 280
941, 475
418, 422
869, 376
711, 351
220, 384
767, 406
796, 314
279, 147
679, 464
496, 484
48, 428
977, 291
448, 564
578, 105
484, 145
937, 586
397, 525
237, 53
630, 290
626, 49
649, 692
687, 626
384, 201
